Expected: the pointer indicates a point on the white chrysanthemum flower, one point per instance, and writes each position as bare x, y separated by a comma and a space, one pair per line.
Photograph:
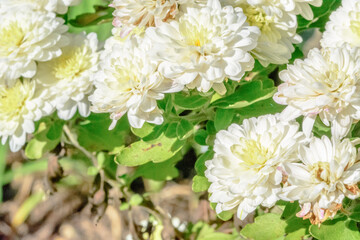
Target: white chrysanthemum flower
129, 82
26, 37
329, 172
344, 26
325, 84
301, 7
68, 78
244, 171
142, 13
278, 30
296, 7
57, 6
205, 46
20, 106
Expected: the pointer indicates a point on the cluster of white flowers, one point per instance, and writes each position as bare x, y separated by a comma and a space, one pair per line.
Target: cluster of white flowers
193, 44
267, 159
42, 67
164, 46
245, 169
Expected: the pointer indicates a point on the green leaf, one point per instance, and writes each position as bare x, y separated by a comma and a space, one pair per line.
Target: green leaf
94, 134
200, 137
297, 228
321, 16
40, 143
184, 129
200, 184
336, 229
88, 19
247, 94
163, 171
290, 210
321, 129
210, 128
225, 216
206, 232
55, 130
171, 130
135, 200
156, 132
89, 7
355, 214
200, 162
223, 118
92, 171
265, 227
146, 129
142, 152
263, 107
3, 151
189, 102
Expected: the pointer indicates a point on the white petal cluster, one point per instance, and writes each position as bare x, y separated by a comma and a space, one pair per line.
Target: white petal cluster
244, 171
325, 84
57, 6
344, 26
68, 78
26, 37
205, 46
277, 26
297, 7
128, 81
329, 171
20, 106
142, 13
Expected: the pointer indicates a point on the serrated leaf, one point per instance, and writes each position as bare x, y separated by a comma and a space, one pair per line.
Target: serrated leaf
200, 184
142, 152
189, 102
336, 229
265, 227
184, 129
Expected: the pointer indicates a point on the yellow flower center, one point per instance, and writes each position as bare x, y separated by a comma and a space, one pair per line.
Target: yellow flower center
256, 16
321, 171
251, 153
194, 35
72, 63
12, 36
12, 100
